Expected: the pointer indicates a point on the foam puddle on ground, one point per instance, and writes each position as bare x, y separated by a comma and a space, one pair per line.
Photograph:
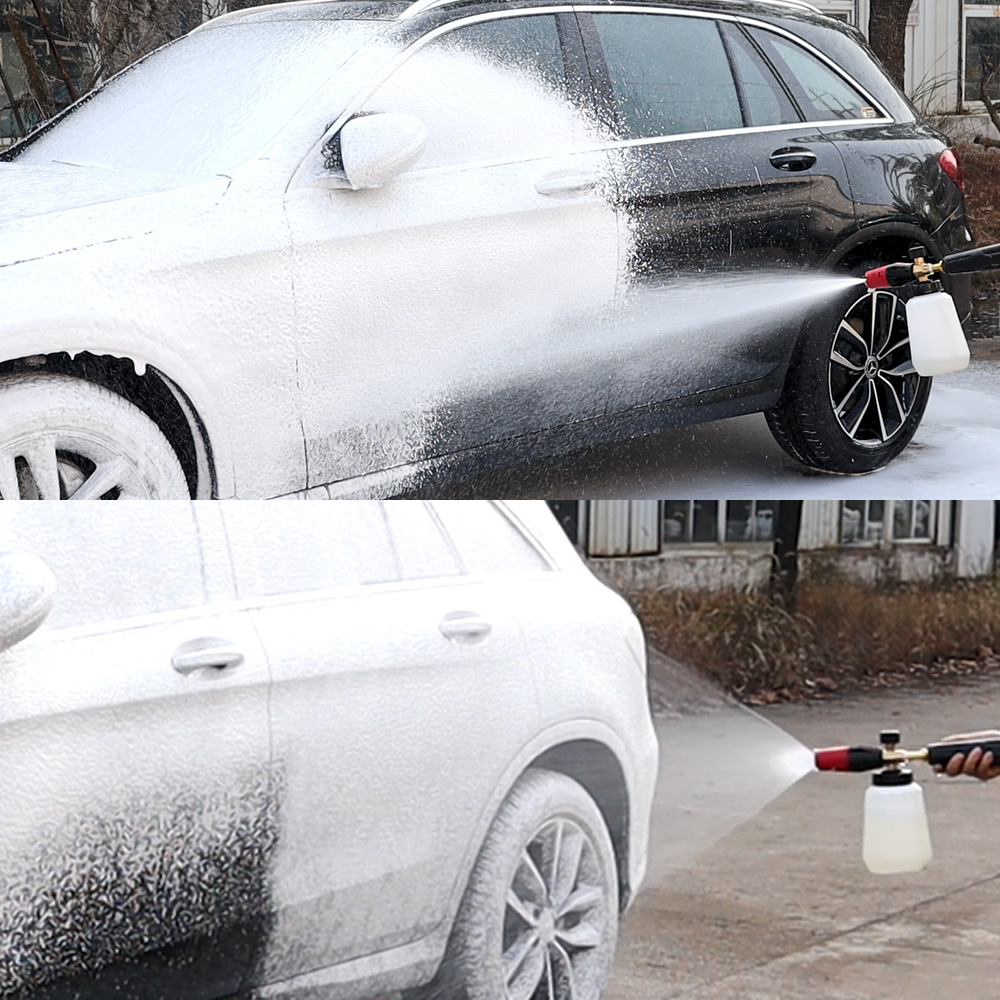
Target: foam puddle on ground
720, 765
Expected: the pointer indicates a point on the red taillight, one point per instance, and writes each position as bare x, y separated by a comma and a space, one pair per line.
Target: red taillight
952, 166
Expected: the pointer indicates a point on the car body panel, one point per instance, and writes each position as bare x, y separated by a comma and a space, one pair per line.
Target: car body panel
136, 843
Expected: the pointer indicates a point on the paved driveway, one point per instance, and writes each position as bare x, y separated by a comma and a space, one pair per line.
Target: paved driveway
781, 908
955, 453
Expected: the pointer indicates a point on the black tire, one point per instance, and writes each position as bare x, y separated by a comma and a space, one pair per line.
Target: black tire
851, 401
567, 931
65, 439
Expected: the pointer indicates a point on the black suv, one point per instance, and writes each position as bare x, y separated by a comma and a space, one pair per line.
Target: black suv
401, 241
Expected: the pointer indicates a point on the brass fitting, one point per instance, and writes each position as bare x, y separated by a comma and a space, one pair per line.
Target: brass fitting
924, 271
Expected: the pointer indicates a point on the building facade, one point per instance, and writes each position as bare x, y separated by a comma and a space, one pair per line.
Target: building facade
714, 544
950, 44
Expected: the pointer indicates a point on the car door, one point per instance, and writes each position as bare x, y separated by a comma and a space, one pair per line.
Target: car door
401, 695
716, 173
438, 310
137, 827
907, 184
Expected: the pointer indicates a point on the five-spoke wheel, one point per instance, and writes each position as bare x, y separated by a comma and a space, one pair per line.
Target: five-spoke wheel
556, 913
539, 918
852, 399
873, 384
65, 439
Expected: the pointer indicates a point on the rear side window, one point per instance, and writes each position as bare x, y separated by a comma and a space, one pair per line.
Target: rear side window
821, 92
111, 561
766, 101
421, 548
294, 546
487, 540
669, 75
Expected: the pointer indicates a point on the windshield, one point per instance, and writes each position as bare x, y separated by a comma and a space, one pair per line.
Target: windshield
206, 103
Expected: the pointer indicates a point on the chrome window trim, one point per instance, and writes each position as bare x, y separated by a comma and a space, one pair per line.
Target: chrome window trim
654, 140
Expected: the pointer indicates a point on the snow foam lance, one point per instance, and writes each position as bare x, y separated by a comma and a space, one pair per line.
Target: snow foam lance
896, 837
937, 341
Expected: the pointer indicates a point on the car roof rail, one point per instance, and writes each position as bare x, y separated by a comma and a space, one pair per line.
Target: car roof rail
419, 6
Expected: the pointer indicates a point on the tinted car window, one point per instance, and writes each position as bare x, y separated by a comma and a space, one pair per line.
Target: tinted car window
821, 92
527, 44
669, 75
103, 574
487, 540
346, 547
767, 103
492, 90
421, 548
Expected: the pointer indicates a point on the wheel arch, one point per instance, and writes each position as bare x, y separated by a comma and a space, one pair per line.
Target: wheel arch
593, 765
883, 241
155, 393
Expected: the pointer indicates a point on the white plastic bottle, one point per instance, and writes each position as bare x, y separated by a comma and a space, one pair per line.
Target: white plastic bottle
896, 835
937, 340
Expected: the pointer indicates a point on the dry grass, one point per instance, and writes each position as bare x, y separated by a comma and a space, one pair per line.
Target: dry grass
843, 634
982, 199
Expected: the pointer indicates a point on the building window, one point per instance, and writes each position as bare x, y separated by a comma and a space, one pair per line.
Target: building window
912, 520
718, 521
750, 520
842, 10
982, 50
865, 522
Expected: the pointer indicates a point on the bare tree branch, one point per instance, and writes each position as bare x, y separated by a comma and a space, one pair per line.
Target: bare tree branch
985, 83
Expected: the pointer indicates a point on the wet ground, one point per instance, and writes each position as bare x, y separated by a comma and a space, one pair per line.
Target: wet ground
781, 908
956, 452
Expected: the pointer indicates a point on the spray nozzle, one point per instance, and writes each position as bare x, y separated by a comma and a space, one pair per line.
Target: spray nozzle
922, 270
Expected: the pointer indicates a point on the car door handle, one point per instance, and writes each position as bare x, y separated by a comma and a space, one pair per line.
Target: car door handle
793, 158
566, 185
217, 656
464, 627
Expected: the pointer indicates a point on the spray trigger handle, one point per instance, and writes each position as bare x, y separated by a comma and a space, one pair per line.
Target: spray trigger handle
938, 754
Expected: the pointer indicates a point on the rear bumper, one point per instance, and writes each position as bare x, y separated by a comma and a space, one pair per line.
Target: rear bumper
646, 765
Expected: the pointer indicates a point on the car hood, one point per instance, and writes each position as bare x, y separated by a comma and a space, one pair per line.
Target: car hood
55, 208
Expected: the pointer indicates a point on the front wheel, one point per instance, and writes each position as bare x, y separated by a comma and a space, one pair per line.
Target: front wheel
65, 439
852, 400
539, 918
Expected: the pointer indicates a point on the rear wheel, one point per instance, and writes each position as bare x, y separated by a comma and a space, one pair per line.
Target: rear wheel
852, 400
539, 918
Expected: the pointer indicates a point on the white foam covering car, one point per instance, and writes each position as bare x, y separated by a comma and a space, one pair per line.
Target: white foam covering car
381, 746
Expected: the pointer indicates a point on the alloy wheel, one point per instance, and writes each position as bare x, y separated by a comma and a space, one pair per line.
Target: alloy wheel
556, 915
872, 382
68, 468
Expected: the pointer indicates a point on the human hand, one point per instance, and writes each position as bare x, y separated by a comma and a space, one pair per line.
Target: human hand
975, 764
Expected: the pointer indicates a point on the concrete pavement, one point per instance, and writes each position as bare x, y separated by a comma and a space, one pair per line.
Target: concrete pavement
781, 907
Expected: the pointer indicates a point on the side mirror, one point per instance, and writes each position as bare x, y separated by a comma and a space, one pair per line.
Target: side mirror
27, 590
376, 148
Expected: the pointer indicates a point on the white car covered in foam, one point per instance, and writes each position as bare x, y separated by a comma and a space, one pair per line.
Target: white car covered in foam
379, 746
211, 287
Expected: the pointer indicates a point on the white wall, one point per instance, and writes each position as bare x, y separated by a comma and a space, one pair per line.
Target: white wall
975, 538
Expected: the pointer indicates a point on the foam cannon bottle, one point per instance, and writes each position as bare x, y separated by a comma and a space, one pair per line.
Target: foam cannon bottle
937, 341
896, 837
